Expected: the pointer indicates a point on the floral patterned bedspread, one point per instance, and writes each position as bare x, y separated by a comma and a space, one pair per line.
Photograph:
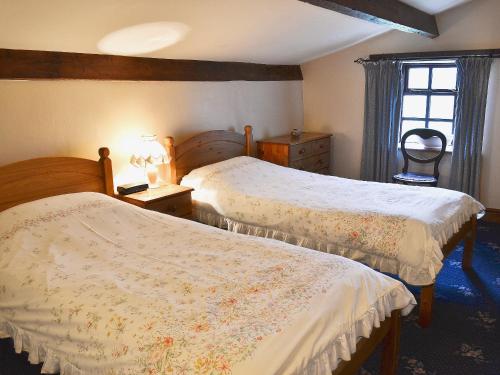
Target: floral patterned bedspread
393, 228
93, 285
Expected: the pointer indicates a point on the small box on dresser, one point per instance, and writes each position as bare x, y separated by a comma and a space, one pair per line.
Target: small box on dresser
308, 152
169, 199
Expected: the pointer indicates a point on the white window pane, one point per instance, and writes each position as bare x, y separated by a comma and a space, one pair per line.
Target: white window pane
444, 78
407, 125
418, 78
445, 127
414, 105
442, 106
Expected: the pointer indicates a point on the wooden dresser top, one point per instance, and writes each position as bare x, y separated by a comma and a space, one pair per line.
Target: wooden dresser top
289, 140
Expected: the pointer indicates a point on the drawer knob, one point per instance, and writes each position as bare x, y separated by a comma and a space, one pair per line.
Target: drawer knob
302, 151
172, 208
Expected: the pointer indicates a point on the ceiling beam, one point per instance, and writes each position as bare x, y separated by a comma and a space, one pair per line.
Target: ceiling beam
25, 64
391, 13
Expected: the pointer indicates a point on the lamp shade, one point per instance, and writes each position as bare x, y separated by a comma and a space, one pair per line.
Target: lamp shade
148, 150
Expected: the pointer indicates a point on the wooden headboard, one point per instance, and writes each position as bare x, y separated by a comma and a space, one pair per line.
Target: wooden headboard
34, 179
206, 148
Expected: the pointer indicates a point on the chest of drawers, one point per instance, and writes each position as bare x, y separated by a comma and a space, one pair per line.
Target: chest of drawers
309, 152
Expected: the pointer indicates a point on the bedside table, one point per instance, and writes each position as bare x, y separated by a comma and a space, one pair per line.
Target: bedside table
310, 152
168, 199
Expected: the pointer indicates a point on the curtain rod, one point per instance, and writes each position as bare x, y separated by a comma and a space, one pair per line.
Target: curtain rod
436, 55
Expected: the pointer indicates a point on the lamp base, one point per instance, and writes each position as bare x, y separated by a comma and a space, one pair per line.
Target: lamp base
152, 175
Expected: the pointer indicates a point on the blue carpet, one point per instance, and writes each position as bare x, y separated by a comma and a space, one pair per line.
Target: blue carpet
464, 338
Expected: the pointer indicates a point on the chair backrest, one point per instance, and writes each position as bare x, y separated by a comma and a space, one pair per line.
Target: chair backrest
425, 134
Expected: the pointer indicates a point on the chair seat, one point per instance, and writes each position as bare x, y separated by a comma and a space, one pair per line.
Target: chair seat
416, 178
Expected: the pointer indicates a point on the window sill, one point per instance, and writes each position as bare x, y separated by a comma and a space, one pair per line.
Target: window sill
419, 147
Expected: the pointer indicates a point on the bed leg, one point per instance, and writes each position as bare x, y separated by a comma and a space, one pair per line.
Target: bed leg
470, 239
426, 299
390, 351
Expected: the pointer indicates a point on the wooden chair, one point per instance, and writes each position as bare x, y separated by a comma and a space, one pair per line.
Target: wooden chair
409, 178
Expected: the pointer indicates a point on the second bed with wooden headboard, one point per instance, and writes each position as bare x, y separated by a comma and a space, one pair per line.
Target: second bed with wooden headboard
399, 229
205, 149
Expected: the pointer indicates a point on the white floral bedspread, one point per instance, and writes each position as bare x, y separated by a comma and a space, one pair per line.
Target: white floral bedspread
93, 285
393, 228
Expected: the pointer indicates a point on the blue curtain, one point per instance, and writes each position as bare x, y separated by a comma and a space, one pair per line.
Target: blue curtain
382, 116
472, 84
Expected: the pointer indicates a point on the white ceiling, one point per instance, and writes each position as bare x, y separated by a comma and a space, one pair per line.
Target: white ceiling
263, 31
434, 6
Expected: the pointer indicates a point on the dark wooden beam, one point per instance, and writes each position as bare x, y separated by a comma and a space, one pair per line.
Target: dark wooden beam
436, 54
392, 13
24, 64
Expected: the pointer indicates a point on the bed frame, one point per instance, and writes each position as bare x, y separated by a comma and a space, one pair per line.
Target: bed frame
34, 179
206, 148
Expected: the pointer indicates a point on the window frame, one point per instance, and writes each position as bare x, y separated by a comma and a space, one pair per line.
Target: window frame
428, 92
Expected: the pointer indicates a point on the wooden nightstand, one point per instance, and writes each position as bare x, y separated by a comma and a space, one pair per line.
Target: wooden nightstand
168, 199
309, 152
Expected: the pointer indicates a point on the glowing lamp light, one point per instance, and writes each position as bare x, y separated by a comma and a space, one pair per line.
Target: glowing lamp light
149, 154
143, 38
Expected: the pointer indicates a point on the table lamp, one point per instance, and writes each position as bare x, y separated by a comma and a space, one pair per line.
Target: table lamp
149, 154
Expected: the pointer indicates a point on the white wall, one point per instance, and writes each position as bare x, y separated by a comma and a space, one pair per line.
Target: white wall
75, 118
334, 88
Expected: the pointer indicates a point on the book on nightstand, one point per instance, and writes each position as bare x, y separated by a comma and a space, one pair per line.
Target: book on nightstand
131, 188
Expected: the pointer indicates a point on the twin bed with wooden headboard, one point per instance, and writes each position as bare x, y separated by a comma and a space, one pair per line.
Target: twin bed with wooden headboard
403, 230
206, 148
34, 179
92, 285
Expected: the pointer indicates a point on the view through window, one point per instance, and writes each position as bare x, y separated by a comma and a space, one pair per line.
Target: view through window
429, 97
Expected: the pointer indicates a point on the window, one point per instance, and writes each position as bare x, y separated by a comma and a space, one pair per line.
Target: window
429, 97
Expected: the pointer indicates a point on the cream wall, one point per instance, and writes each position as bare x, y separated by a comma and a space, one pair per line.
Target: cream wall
75, 118
334, 88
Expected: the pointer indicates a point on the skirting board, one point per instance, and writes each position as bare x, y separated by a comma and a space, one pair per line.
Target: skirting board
493, 215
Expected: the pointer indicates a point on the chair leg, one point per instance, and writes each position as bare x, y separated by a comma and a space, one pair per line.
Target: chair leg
426, 300
390, 351
470, 239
